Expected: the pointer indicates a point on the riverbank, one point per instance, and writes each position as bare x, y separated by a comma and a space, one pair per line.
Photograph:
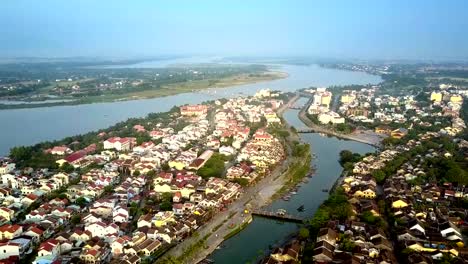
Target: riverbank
165, 90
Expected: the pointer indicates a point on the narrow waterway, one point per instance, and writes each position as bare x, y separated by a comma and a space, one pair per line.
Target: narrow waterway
262, 233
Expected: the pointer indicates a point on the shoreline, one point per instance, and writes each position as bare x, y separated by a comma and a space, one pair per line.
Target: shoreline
269, 75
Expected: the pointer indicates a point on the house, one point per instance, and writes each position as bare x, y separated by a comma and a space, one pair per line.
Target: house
120, 144
327, 234
10, 181
35, 233
7, 213
100, 229
128, 259
82, 236
6, 167
148, 247
95, 255
450, 231
60, 150
177, 198
226, 150
383, 129
47, 252
193, 110
398, 203
322, 255
117, 246
9, 249
145, 220
366, 193
399, 133
10, 231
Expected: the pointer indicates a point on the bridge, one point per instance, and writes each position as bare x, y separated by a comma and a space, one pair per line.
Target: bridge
309, 130
278, 216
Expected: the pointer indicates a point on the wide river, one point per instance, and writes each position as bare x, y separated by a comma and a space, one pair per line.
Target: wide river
33, 125
254, 241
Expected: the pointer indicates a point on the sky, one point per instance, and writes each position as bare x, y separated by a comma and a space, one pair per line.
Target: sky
363, 29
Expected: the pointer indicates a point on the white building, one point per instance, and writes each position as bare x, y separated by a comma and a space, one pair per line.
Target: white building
330, 117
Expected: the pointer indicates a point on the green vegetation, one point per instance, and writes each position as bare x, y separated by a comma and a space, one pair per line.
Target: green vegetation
214, 167
347, 156
304, 233
368, 218
300, 149
335, 207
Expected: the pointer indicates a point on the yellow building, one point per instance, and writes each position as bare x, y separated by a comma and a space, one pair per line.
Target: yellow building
7, 213
456, 98
347, 98
367, 193
163, 218
176, 164
436, 96
325, 99
399, 204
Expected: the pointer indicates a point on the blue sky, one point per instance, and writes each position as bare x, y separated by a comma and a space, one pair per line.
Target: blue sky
366, 29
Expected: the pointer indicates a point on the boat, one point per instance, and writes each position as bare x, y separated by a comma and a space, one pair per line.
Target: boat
293, 192
325, 190
300, 208
281, 212
305, 180
286, 198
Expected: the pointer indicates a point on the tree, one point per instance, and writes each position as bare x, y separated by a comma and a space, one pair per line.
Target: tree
165, 167
67, 167
20, 153
165, 206
75, 219
379, 175
81, 201
108, 189
136, 173
243, 182
304, 233
151, 173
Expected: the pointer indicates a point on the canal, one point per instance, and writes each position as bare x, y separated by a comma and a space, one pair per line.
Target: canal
256, 238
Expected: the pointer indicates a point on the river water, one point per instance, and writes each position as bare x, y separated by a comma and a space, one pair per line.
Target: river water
256, 238
33, 125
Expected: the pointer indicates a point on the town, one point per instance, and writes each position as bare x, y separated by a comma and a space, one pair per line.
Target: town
407, 202
136, 192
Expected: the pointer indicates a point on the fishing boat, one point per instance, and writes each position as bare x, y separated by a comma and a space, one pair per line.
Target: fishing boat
293, 192
300, 208
286, 198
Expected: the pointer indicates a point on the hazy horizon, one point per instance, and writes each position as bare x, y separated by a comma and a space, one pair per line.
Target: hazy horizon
368, 30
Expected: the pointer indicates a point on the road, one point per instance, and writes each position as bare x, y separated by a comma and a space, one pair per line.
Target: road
255, 196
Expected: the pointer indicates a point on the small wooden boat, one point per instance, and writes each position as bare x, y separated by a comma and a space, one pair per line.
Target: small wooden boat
300, 208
